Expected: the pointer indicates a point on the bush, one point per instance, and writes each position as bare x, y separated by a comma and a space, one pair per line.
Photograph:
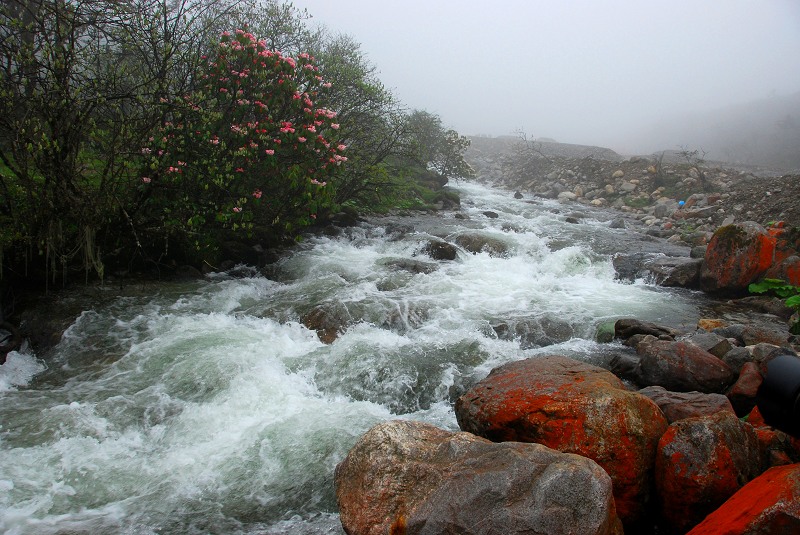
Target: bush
249, 148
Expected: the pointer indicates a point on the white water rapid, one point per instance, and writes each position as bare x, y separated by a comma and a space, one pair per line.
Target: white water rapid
207, 407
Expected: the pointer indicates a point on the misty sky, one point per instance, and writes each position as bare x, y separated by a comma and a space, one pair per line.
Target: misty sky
579, 71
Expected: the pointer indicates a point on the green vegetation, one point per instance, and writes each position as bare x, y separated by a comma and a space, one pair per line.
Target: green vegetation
784, 290
143, 134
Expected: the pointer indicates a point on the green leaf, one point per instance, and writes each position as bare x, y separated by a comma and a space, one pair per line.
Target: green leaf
793, 302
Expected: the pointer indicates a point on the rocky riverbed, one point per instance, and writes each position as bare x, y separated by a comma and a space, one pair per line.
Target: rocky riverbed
648, 190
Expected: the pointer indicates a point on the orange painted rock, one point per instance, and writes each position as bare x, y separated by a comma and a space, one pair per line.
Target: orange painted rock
572, 407
736, 256
769, 504
702, 462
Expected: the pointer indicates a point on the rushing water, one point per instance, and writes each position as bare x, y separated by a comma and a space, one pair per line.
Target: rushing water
207, 407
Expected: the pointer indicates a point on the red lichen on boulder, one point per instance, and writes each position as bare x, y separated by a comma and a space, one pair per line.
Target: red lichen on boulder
776, 447
572, 407
768, 504
737, 255
742, 394
701, 462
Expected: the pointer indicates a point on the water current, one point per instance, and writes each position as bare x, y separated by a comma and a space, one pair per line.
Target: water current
207, 406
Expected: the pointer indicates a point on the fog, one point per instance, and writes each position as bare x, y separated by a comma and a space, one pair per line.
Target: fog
614, 73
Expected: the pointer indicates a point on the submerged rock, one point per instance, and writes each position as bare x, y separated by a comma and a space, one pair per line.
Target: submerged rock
411, 477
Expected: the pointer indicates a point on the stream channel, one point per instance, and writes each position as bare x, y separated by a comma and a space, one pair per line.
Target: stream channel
207, 407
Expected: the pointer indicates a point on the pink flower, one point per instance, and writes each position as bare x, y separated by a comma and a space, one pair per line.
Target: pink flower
239, 170
335, 126
146, 179
301, 139
257, 194
269, 152
237, 209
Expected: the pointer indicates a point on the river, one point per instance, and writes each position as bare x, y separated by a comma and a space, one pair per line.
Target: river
207, 407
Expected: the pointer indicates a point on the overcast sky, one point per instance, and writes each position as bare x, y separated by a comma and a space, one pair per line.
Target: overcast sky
579, 71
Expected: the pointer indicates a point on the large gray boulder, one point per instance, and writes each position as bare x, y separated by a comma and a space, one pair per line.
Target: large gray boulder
683, 367
413, 478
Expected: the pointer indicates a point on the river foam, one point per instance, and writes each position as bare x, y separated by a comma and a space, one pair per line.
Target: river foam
207, 407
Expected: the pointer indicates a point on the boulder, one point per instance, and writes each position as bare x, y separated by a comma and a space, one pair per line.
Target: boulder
751, 335
769, 504
702, 462
411, 265
681, 405
411, 477
626, 327
680, 272
535, 332
743, 393
572, 407
440, 250
477, 243
776, 447
683, 367
737, 255
329, 320
713, 343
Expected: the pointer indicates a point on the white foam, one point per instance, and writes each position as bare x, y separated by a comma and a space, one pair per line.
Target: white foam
18, 370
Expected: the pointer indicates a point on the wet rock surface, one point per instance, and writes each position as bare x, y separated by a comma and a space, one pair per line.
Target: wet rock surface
411, 477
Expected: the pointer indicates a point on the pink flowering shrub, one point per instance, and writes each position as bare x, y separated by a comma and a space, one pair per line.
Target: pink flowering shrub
250, 147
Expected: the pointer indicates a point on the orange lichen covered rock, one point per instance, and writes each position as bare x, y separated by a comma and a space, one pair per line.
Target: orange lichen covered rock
736, 256
702, 462
572, 407
769, 504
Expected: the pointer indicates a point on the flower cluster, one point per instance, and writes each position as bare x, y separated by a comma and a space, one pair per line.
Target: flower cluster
251, 144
